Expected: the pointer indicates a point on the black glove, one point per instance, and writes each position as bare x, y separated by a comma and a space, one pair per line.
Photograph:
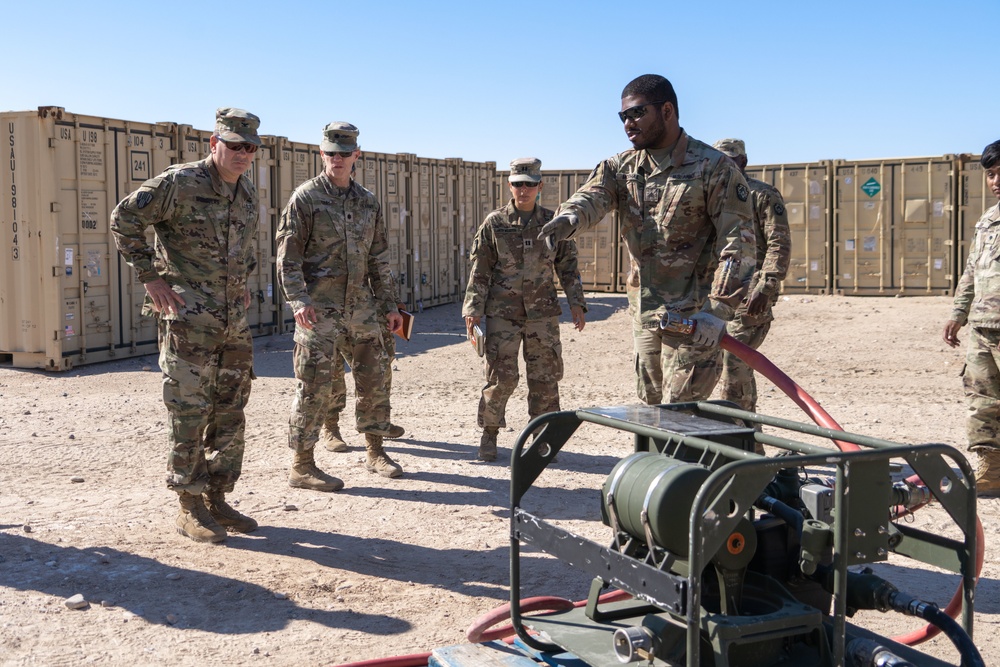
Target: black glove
558, 229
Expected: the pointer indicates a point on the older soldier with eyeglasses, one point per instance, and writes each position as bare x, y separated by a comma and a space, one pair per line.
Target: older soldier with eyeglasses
511, 284
204, 216
333, 267
685, 215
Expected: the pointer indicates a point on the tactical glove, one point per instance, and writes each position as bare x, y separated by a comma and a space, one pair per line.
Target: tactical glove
708, 330
558, 229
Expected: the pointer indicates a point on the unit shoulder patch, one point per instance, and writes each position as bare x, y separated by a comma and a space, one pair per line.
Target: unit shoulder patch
742, 192
779, 208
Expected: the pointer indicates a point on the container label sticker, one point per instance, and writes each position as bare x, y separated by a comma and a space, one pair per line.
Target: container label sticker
869, 244
89, 206
814, 266
849, 244
938, 264
869, 206
94, 263
69, 331
68, 257
847, 276
871, 187
848, 180
91, 156
270, 290
938, 209
814, 212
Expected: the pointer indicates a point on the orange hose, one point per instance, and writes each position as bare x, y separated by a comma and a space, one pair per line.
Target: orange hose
763, 365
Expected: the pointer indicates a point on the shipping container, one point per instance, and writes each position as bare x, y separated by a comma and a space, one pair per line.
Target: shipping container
974, 199
805, 187
894, 226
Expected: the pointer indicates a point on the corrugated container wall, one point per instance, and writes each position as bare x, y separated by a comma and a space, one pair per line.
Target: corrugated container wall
806, 190
893, 225
67, 297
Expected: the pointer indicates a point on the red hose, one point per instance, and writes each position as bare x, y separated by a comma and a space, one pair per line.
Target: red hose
762, 365
412, 660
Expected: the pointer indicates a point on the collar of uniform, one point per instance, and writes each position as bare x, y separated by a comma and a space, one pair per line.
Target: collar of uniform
335, 190
512, 213
678, 155
993, 213
219, 185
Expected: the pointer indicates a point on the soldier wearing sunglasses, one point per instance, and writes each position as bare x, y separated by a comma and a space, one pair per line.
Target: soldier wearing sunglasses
204, 216
512, 285
686, 219
333, 267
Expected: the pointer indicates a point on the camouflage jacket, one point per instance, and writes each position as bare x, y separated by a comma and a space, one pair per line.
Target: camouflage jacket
333, 252
688, 225
977, 297
512, 271
774, 246
204, 244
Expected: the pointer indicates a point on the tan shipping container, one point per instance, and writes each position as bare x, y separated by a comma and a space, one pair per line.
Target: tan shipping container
974, 199
805, 187
894, 226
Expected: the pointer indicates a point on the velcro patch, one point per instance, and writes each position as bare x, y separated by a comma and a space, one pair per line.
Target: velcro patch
142, 199
742, 192
779, 209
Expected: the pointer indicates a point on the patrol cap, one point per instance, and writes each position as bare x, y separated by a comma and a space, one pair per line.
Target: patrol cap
525, 170
233, 124
731, 147
339, 136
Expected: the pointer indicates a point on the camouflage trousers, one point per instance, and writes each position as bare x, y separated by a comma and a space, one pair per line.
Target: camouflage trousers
543, 367
318, 361
738, 383
692, 371
338, 398
981, 379
207, 374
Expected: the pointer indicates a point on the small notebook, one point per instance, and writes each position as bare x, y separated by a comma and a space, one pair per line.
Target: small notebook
480, 340
406, 329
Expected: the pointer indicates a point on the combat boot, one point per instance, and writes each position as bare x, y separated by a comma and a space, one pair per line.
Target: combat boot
988, 473
305, 474
394, 432
225, 515
488, 445
332, 440
378, 461
196, 522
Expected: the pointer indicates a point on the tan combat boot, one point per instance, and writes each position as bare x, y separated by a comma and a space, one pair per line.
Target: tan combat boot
196, 522
305, 474
225, 515
332, 440
394, 432
988, 473
488, 446
378, 461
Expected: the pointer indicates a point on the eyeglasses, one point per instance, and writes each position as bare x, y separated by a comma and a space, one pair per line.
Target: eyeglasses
524, 184
236, 147
343, 154
637, 112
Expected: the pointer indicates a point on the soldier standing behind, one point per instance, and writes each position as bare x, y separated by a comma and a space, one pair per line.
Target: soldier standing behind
686, 219
977, 302
204, 217
754, 316
333, 267
511, 284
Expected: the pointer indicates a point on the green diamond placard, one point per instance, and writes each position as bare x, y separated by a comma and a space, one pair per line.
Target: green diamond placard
871, 187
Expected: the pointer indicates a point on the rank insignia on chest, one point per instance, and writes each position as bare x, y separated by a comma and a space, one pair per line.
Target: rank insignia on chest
528, 243
742, 192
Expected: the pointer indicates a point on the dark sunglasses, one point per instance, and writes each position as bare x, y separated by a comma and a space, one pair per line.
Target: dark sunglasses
246, 146
636, 112
524, 184
343, 154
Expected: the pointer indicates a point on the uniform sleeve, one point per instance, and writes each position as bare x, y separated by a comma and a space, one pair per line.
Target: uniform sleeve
774, 225
595, 198
568, 270
294, 230
731, 212
965, 292
484, 258
380, 276
152, 203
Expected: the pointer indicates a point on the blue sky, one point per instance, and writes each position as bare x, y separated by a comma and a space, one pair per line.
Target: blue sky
799, 81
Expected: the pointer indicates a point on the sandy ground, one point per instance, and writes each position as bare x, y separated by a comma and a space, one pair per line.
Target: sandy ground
390, 567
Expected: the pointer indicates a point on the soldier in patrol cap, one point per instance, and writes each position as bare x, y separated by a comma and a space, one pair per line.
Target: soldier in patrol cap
753, 317
686, 220
204, 216
511, 284
333, 267
977, 303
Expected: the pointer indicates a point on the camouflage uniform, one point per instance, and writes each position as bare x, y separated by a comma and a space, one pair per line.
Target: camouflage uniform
511, 283
333, 255
977, 302
774, 245
205, 250
687, 225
